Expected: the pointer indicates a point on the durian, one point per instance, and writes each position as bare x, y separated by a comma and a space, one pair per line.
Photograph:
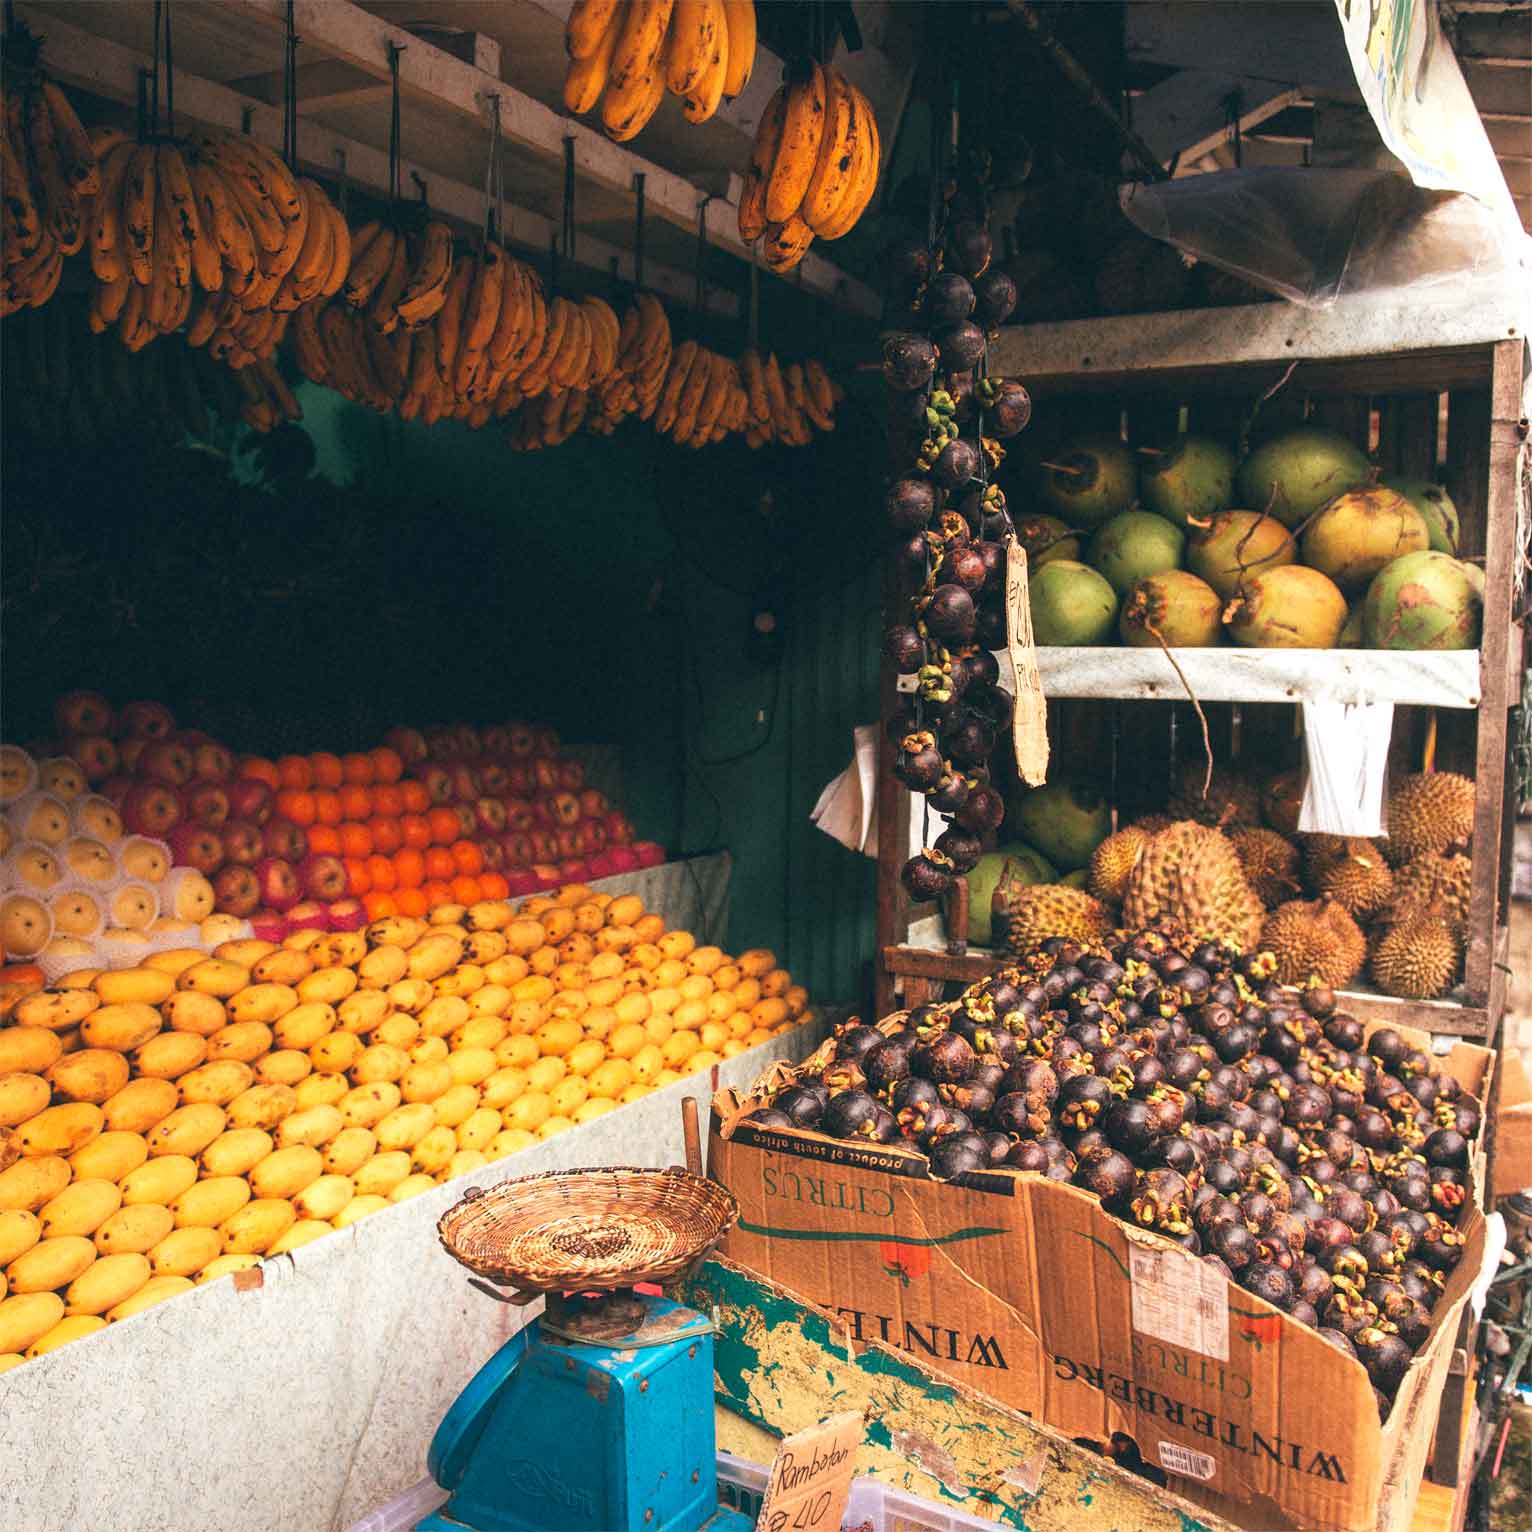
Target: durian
1231, 798
1114, 859
1282, 800
1418, 958
1314, 939
1432, 878
1355, 875
1270, 862
1035, 913
1430, 811
1192, 874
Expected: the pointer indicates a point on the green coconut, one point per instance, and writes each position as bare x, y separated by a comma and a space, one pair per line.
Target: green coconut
1045, 538
1189, 481
1173, 608
1065, 820
1237, 544
1079, 878
1292, 475
1028, 867
1425, 600
1359, 532
1092, 479
1292, 607
1132, 545
1436, 510
1071, 604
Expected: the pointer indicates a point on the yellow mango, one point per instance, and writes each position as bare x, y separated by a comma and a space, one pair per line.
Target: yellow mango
509, 1141
158, 1181
324, 1198
264, 1003
315, 1126
92, 1075
50, 1263
364, 1105
26, 1318
348, 1151
285, 1172
503, 1087
28, 1050
137, 1228
189, 1010
283, 966
22, 1096
380, 1062
433, 1152
327, 986
434, 955
257, 1226
235, 1151
245, 1041
394, 930
120, 1027
55, 1010
478, 1130
110, 1157
469, 1066
139, 1105
107, 1282
59, 1130
283, 1066
246, 951
188, 1130
443, 1015
382, 1173
490, 1003
215, 976
425, 1081
363, 1011
134, 986
304, 1232
174, 960
226, 1265
319, 1090
382, 967
339, 949
304, 1025
72, 1327
360, 1207
546, 1073
455, 1105
410, 1186
184, 1252
20, 1230
155, 1290
215, 1084
589, 1111
464, 1163
262, 1106
336, 1053
405, 1126
210, 1202
81, 1208
505, 972
528, 1112
567, 1096
490, 915
170, 1055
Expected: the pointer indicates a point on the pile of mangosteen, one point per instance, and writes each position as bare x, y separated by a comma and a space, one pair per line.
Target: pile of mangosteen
1252, 1125
946, 418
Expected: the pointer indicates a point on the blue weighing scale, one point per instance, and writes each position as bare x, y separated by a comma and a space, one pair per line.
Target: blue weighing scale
597, 1417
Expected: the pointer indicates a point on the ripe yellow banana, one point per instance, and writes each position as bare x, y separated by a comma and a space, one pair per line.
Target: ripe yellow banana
626, 112
530, 346
223, 218
588, 73
703, 98
449, 319
383, 311
828, 184
22, 221
864, 172
426, 288
589, 24
277, 263
787, 244
107, 258
308, 344
802, 129
513, 320
694, 28
570, 360
370, 264
483, 307
681, 364
177, 203
265, 174
640, 45
739, 17
138, 214
340, 251
768, 139
57, 198
307, 278
77, 154
604, 332
755, 386
820, 392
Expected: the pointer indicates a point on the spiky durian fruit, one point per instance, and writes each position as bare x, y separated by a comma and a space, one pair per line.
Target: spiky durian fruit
1282, 800
1231, 798
1314, 939
1191, 874
1035, 913
1418, 958
1114, 859
1270, 862
1152, 823
1354, 873
1432, 878
1430, 811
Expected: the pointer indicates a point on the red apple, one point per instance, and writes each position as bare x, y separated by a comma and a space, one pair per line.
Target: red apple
211, 761
96, 754
624, 858
347, 915
590, 835
566, 837
593, 805
437, 780
522, 740
493, 853
83, 713
441, 745
146, 720
467, 820
649, 853
408, 744
542, 813
519, 884
571, 775
467, 741
517, 848
544, 847
547, 875
545, 773
129, 750
206, 802
545, 741
166, 761
150, 808
193, 845
519, 814
465, 782
243, 844
236, 890
573, 870
308, 915
497, 740
565, 808
489, 814
520, 778
601, 865
322, 876
493, 778
116, 788
252, 799
282, 838
279, 883
619, 832
269, 925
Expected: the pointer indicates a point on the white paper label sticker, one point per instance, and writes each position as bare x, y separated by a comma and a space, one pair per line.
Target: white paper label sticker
1190, 1464
1180, 1301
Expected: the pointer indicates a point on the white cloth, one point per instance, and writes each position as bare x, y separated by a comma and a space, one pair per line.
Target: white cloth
847, 809
1347, 745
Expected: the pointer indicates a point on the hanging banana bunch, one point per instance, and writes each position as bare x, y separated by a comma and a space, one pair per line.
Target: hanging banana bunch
625, 54
813, 168
50, 171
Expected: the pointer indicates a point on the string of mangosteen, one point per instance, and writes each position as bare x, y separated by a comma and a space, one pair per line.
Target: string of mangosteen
946, 418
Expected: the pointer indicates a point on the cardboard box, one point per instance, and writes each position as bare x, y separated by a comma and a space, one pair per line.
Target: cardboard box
1024, 1289
1511, 1164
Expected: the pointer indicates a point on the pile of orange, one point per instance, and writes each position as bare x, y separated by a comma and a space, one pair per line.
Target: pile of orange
402, 855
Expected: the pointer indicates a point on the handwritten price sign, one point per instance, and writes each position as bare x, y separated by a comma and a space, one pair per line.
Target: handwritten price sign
811, 1477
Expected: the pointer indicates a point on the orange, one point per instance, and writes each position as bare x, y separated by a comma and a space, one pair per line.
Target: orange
357, 881
465, 890
467, 857
381, 871
411, 901
387, 765
262, 770
386, 835
356, 802
297, 805
440, 868
326, 769
416, 799
437, 893
355, 839
379, 905
325, 839
444, 826
357, 768
293, 771
327, 806
415, 830
493, 886
409, 869
388, 801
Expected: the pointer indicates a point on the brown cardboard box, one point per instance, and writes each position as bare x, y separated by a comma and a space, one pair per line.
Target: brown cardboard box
1024, 1289
1511, 1163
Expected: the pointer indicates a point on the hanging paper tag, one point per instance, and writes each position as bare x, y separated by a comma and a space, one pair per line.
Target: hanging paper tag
1029, 722
1347, 747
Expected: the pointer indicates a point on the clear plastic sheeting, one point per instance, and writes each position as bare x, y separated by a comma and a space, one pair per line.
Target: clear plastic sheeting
1313, 235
